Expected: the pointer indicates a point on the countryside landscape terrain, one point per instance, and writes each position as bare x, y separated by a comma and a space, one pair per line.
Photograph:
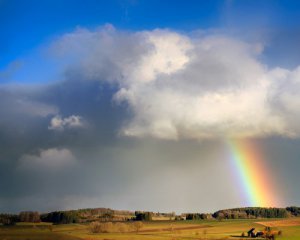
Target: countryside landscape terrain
108, 224
181, 116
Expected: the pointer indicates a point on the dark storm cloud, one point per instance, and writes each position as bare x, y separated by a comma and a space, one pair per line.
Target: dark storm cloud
24, 119
95, 166
92, 166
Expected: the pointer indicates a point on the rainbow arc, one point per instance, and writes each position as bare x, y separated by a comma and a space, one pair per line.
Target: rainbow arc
254, 175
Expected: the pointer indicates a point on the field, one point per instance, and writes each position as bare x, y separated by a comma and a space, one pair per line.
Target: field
164, 230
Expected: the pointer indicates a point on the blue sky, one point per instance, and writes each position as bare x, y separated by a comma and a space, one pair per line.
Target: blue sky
106, 89
26, 25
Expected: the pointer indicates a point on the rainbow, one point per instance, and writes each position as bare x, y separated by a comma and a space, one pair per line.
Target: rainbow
253, 175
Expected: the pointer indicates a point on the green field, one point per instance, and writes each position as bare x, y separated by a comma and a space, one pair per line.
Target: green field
170, 230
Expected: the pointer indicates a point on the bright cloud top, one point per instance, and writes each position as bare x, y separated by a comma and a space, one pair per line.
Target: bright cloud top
180, 86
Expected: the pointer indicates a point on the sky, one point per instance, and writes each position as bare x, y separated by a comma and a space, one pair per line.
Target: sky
132, 104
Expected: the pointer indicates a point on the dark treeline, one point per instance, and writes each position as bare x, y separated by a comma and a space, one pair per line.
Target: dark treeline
198, 216
61, 217
143, 216
252, 212
8, 219
294, 211
87, 215
29, 216
106, 215
11, 219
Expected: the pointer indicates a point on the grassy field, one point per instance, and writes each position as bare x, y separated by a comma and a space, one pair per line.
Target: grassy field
180, 230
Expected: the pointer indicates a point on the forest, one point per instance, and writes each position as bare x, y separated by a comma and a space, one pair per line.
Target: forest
106, 214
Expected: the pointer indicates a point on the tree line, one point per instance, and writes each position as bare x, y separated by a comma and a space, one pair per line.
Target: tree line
198, 216
294, 211
251, 212
61, 217
106, 215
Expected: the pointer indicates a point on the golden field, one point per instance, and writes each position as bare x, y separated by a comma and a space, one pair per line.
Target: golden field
158, 230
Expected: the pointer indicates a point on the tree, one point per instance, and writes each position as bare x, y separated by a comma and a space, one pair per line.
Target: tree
8, 219
143, 216
62, 217
138, 226
121, 227
107, 227
221, 216
108, 216
29, 217
95, 227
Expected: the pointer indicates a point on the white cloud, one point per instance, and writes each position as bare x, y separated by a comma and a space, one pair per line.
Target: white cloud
178, 86
49, 159
167, 55
59, 123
